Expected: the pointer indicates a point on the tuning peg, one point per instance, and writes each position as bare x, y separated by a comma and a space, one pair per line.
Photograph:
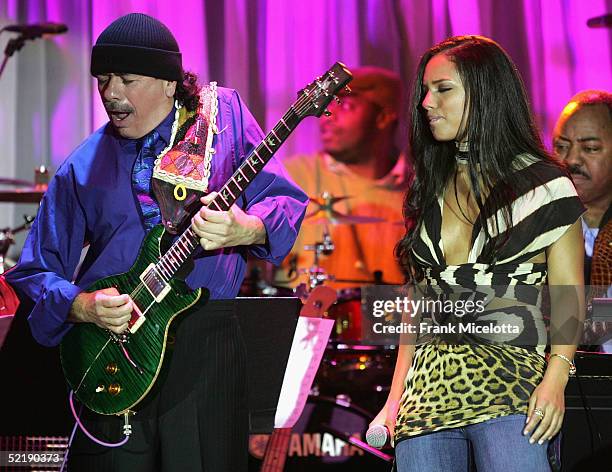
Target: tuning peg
326, 112
347, 89
337, 99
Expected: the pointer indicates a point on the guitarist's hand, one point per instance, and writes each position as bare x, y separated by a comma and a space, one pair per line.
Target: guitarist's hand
218, 229
105, 308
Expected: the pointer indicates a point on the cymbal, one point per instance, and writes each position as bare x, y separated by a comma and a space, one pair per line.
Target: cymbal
327, 200
356, 281
336, 218
23, 194
325, 213
6, 181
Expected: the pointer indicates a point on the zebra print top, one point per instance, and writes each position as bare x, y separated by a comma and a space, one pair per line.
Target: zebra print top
540, 216
460, 380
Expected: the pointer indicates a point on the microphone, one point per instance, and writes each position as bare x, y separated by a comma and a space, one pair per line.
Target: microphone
603, 21
377, 436
36, 30
356, 442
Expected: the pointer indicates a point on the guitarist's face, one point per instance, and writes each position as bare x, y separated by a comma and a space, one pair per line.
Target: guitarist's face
135, 104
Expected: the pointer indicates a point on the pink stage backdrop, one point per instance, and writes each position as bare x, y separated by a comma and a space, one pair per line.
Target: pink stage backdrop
269, 49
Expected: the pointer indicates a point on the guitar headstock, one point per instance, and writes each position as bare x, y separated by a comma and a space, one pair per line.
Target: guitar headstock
315, 97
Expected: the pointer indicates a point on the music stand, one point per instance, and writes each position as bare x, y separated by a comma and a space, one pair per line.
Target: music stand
267, 325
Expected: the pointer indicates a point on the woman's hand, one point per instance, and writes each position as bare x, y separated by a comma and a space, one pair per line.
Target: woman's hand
565, 259
548, 398
387, 416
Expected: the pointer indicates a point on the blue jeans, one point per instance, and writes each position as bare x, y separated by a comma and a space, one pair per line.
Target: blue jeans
498, 445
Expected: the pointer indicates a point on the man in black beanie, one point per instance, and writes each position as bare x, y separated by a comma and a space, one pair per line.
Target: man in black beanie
167, 138
139, 55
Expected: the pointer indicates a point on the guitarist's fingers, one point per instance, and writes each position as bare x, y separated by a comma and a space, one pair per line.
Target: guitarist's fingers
209, 244
201, 226
118, 329
115, 321
122, 310
211, 229
112, 301
110, 291
208, 198
209, 216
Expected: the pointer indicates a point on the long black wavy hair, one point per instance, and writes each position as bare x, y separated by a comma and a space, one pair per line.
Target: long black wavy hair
499, 126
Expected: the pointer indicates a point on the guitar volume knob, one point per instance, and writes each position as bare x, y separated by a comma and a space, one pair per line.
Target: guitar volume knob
114, 389
112, 368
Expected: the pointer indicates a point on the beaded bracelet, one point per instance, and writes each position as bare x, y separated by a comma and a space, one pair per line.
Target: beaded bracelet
572, 370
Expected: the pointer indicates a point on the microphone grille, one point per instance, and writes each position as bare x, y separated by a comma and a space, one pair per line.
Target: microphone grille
377, 436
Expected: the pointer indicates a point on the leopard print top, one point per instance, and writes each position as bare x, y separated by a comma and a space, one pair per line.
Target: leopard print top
454, 384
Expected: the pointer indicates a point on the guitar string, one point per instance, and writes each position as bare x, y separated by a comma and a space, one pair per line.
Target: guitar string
92, 364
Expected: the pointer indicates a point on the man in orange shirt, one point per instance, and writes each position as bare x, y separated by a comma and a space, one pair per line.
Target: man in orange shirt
359, 160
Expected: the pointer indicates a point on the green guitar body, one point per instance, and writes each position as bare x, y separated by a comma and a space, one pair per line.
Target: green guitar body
94, 362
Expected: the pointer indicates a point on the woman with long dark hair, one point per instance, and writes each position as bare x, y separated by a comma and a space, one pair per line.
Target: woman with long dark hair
492, 213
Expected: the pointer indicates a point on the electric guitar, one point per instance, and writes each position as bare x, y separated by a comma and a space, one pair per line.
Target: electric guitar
110, 373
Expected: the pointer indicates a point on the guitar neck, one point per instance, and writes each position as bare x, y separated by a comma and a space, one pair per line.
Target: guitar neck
311, 102
185, 246
276, 450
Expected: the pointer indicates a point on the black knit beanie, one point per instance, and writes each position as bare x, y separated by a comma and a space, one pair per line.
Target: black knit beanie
137, 44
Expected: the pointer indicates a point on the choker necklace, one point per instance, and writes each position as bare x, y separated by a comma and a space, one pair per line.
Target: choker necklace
463, 146
462, 158
462, 152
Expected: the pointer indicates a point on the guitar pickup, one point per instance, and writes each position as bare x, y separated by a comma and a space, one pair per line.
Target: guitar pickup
154, 283
136, 320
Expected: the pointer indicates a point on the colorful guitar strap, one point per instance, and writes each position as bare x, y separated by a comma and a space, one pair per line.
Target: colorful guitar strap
181, 172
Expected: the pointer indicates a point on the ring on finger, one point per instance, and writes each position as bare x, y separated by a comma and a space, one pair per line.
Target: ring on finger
539, 412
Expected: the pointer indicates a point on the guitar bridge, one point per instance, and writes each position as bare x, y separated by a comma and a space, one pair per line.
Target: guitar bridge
136, 320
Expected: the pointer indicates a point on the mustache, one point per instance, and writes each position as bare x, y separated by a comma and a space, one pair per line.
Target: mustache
575, 170
113, 107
